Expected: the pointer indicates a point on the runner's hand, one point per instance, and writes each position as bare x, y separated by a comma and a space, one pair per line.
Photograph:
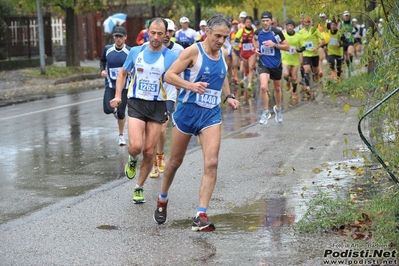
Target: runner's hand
199, 87
115, 102
233, 103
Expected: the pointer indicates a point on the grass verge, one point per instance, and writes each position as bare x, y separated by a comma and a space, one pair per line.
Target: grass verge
375, 218
58, 72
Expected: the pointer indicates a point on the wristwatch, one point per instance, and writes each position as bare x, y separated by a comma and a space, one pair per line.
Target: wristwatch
231, 95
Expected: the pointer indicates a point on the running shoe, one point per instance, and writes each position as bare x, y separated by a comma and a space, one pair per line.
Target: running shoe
307, 91
250, 87
320, 74
265, 116
315, 77
160, 212
138, 195
115, 113
155, 171
332, 75
161, 162
121, 140
294, 96
241, 83
278, 114
201, 223
130, 168
234, 81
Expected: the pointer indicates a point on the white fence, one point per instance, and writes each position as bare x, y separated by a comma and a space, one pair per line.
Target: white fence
57, 29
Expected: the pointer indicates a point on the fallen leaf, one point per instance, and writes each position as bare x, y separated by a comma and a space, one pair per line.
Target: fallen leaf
316, 170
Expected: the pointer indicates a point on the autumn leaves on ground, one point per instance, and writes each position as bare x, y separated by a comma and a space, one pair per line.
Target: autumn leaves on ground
354, 201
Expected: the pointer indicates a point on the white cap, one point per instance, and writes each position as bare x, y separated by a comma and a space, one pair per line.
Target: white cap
202, 23
243, 14
322, 15
354, 20
346, 13
381, 20
171, 24
184, 20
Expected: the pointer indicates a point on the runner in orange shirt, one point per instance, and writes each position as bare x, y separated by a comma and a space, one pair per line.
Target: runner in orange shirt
244, 36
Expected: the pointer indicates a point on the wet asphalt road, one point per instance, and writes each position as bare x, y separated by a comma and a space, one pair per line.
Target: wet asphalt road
65, 200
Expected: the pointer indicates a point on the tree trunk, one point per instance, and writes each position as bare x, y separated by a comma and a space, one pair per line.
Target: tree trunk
256, 13
72, 43
197, 15
369, 23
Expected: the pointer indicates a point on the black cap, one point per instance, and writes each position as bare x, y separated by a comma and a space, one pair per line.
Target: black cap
266, 14
120, 31
290, 21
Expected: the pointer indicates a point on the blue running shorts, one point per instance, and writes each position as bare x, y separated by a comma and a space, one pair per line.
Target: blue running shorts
191, 119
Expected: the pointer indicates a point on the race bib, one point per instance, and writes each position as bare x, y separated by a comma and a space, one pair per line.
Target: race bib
247, 46
210, 99
145, 87
291, 50
113, 72
309, 45
267, 51
333, 41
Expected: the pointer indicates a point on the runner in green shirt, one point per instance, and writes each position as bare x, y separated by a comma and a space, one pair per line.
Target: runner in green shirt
291, 59
312, 40
347, 31
335, 50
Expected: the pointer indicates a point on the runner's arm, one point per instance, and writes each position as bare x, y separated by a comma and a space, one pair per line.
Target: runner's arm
185, 60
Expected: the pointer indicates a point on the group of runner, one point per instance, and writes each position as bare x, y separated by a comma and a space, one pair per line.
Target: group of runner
147, 77
313, 40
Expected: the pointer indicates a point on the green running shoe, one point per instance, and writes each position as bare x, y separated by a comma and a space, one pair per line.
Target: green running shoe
130, 168
138, 195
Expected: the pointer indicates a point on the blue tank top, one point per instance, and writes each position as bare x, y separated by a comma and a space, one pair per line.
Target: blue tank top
206, 69
271, 57
115, 59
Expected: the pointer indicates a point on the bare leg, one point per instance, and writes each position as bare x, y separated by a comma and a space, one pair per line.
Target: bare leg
210, 142
179, 147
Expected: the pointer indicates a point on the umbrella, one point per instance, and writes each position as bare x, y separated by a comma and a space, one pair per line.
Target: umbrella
112, 21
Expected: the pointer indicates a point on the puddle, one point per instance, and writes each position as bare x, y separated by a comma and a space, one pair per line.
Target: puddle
283, 211
264, 213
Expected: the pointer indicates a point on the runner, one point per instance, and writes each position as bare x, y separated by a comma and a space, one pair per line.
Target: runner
335, 51
322, 27
268, 42
146, 101
159, 158
198, 113
142, 37
111, 61
202, 26
245, 36
312, 40
347, 30
290, 59
357, 38
235, 52
186, 36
